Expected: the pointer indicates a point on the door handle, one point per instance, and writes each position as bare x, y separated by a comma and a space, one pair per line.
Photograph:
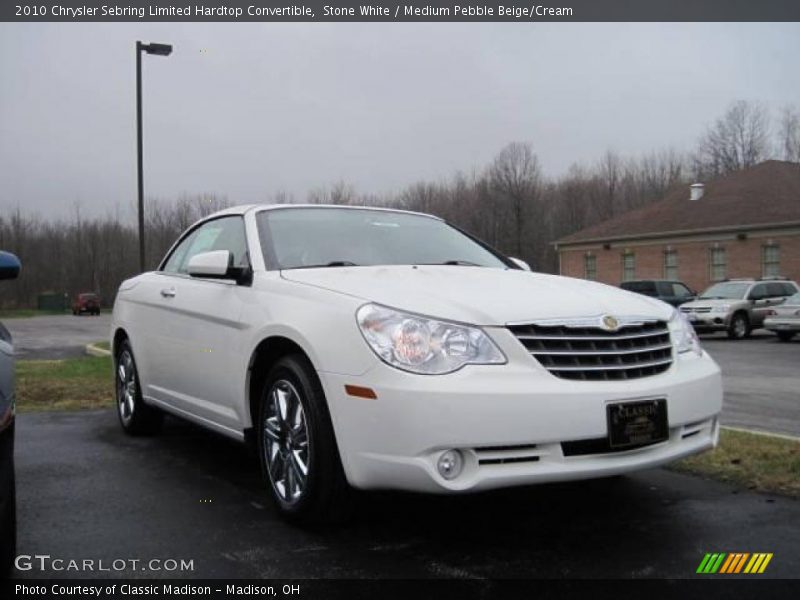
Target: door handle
168, 292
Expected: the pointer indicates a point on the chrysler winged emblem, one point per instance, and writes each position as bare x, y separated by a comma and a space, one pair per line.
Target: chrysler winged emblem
610, 323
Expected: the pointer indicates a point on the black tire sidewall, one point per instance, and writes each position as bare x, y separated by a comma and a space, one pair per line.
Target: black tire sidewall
324, 467
145, 419
732, 329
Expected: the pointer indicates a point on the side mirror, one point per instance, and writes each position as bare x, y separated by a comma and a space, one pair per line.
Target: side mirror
218, 264
213, 264
520, 263
9, 265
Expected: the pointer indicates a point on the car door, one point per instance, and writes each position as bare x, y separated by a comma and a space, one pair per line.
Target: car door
761, 302
199, 340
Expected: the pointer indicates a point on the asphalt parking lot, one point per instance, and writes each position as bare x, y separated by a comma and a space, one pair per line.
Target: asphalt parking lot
761, 377
56, 336
87, 491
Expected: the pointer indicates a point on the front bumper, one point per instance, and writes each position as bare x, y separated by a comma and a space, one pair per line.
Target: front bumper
709, 321
512, 423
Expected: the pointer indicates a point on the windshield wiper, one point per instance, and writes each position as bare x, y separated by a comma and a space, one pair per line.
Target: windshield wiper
333, 263
459, 263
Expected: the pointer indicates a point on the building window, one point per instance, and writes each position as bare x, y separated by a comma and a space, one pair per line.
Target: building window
718, 264
670, 264
590, 267
628, 266
770, 260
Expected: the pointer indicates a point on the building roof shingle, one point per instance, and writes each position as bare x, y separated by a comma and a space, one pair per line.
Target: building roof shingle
765, 194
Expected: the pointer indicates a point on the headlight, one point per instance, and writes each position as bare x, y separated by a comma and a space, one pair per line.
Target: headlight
683, 334
422, 345
722, 308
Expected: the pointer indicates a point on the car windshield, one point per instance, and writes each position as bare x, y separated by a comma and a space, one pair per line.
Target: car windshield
726, 291
295, 238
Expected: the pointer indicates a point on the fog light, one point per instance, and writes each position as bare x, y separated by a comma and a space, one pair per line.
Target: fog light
450, 464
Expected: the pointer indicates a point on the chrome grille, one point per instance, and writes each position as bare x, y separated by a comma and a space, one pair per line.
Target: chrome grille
584, 350
697, 309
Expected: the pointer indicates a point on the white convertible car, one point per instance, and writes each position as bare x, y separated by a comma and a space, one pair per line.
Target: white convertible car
380, 349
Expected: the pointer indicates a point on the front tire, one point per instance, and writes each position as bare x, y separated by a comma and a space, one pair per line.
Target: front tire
739, 327
785, 336
136, 417
299, 457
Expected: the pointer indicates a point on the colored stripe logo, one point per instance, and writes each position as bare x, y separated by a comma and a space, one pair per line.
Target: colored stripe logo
734, 563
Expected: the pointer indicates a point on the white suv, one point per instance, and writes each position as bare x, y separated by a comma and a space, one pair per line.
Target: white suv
381, 349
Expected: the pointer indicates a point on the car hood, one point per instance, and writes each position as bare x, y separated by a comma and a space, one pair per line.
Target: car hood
483, 296
710, 302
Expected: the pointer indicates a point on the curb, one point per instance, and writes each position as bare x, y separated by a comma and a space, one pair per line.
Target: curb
93, 350
780, 436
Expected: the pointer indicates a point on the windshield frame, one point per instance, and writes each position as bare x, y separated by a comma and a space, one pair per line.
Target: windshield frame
271, 262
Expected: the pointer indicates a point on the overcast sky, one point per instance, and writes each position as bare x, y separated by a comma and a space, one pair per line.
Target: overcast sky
245, 110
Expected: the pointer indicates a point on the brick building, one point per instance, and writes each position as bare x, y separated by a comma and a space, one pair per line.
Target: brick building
744, 224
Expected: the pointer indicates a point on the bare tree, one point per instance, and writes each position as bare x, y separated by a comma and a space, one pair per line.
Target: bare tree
516, 176
737, 140
789, 134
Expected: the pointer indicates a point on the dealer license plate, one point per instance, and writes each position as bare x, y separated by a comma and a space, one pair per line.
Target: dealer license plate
637, 423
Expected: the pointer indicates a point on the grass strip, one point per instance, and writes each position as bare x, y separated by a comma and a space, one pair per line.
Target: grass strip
70, 384
751, 460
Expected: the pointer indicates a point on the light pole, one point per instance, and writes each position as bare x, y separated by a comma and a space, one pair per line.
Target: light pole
159, 50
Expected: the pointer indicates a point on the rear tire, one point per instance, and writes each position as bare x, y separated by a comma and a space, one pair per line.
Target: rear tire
299, 457
136, 417
785, 336
739, 327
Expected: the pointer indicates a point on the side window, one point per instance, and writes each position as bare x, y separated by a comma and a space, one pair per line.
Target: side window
226, 233
640, 287
175, 259
664, 289
780, 290
758, 292
680, 291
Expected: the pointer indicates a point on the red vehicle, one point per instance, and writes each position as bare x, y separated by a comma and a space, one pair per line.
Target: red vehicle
86, 303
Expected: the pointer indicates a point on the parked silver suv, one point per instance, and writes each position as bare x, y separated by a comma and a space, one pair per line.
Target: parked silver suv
737, 305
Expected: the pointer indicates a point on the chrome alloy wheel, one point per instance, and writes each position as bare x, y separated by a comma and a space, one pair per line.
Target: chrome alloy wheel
286, 442
126, 386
